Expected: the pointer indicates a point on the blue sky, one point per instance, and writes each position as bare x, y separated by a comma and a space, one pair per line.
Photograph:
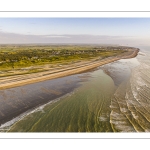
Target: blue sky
126, 31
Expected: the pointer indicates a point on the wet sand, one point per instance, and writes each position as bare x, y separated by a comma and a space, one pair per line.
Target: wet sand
18, 80
115, 70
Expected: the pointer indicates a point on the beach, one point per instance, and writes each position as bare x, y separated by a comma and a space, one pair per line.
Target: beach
18, 80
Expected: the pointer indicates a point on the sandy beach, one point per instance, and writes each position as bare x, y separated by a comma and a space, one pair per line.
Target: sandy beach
18, 80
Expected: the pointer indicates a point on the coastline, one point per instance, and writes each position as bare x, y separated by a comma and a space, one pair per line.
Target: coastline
19, 80
32, 103
98, 83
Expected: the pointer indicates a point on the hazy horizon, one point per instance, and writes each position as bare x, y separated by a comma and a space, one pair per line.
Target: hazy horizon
112, 31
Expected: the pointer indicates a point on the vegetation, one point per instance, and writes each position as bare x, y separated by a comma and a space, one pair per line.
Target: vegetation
18, 56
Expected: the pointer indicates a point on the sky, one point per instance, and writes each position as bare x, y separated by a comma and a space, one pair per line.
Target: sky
120, 31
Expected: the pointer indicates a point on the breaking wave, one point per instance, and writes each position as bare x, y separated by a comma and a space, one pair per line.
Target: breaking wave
130, 105
6, 126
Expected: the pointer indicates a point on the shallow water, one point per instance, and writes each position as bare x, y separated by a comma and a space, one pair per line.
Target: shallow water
86, 110
15, 101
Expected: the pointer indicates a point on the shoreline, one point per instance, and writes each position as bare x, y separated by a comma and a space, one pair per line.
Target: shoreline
19, 80
6, 126
98, 70
34, 103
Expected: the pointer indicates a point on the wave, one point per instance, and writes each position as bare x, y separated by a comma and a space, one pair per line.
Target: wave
130, 105
6, 126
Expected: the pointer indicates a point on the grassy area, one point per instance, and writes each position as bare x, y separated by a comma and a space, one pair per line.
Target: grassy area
19, 56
